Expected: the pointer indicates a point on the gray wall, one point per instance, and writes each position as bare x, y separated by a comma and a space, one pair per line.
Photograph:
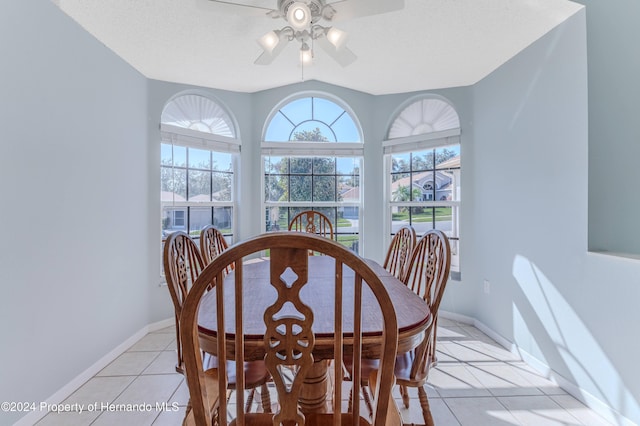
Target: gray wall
614, 128
567, 308
73, 180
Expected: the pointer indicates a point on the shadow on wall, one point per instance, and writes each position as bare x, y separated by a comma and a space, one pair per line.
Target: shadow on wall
544, 320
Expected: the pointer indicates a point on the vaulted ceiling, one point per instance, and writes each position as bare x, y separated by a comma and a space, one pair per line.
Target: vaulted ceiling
429, 44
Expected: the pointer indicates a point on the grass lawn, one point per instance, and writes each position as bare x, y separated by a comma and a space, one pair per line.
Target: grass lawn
442, 214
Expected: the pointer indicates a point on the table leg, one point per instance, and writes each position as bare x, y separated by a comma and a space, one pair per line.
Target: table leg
313, 398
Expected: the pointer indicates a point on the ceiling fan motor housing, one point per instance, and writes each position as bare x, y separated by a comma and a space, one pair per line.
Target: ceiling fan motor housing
315, 6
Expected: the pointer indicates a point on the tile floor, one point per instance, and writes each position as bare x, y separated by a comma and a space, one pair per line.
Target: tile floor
476, 382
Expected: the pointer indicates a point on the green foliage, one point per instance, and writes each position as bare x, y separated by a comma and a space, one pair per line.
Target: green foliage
420, 162
404, 193
299, 184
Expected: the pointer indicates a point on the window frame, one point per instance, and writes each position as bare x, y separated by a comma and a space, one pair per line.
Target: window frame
414, 143
306, 149
227, 144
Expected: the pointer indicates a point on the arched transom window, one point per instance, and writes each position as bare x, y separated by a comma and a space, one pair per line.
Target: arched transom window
199, 113
423, 163
312, 156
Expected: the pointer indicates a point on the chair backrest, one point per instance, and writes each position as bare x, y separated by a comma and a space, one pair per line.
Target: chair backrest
182, 265
312, 222
288, 341
400, 250
212, 243
427, 275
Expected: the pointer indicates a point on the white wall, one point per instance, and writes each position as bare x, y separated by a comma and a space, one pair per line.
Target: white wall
573, 311
73, 179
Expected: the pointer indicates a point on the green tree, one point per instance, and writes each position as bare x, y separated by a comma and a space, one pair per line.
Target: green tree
314, 135
301, 186
404, 193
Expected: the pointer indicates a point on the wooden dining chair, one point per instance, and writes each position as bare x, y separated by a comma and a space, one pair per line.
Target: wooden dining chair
212, 243
312, 222
427, 275
183, 264
400, 250
288, 341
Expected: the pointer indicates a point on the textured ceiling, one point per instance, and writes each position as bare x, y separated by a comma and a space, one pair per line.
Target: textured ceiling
430, 44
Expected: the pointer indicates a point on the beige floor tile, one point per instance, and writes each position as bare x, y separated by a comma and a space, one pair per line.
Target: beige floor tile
502, 379
99, 390
181, 395
153, 342
165, 363
68, 419
480, 412
137, 418
460, 352
152, 389
448, 322
171, 417
450, 333
413, 392
129, 364
536, 379
170, 329
537, 410
580, 411
455, 380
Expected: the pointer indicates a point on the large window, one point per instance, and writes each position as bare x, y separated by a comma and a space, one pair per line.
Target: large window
197, 166
423, 164
312, 158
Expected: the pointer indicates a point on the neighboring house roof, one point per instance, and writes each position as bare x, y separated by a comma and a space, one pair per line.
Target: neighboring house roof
420, 178
200, 198
168, 196
453, 162
351, 194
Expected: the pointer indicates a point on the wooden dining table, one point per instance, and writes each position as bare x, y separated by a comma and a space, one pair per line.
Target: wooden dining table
412, 313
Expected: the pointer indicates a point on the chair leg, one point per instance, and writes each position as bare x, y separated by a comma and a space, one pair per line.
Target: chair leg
404, 392
350, 407
247, 405
424, 403
367, 401
266, 398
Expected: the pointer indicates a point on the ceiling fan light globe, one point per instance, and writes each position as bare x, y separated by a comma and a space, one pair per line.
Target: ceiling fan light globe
299, 16
269, 41
337, 37
306, 55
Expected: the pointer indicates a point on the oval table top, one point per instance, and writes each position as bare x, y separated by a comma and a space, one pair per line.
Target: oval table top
411, 311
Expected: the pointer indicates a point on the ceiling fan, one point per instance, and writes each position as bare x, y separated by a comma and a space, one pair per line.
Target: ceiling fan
304, 17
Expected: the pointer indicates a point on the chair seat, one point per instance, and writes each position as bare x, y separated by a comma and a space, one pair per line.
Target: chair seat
404, 363
255, 372
402, 371
311, 419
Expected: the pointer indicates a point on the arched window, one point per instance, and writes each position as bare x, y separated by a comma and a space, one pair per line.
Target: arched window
198, 151
312, 156
422, 156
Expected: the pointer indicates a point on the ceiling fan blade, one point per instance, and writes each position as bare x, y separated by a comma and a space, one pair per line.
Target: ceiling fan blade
248, 7
348, 9
343, 56
266, 58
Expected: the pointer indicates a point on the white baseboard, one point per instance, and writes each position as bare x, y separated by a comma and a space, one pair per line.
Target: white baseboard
571, 388
34, 416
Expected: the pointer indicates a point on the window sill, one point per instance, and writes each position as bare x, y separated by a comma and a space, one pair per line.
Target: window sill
632, 256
